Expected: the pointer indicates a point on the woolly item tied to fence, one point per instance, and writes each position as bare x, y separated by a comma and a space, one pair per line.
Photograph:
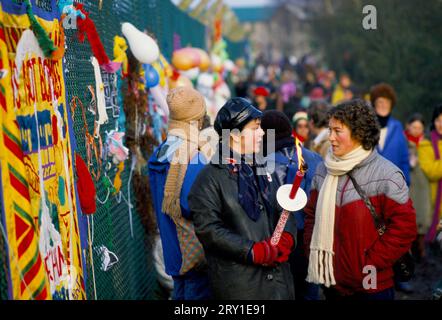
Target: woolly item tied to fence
85, 187
86, 27
35, 161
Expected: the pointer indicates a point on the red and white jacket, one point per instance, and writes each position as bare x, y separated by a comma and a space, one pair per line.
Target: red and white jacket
356, 241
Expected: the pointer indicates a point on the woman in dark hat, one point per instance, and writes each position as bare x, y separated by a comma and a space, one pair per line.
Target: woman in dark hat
233, 205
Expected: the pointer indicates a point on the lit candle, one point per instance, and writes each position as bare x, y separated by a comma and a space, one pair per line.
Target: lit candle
285, 214
296, 183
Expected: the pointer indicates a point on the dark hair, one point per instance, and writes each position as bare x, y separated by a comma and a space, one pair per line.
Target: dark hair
317, 112
416, 117
383, 90
361, 119
344, 74
436, 113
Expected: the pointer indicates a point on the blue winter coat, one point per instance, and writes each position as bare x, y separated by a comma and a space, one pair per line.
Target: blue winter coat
396, 147
158, 165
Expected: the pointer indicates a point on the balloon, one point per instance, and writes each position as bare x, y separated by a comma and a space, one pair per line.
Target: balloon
151, 75
189, 58
164, 70
205, 59
161, 73
182, 61
185, 58
160, 98
143, 47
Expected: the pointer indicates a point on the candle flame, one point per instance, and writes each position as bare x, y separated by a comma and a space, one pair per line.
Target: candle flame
301, 163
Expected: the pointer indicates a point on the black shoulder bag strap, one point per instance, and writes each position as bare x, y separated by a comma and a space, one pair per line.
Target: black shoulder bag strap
378, 222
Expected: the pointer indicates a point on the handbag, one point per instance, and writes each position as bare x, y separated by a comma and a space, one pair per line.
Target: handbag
404, 267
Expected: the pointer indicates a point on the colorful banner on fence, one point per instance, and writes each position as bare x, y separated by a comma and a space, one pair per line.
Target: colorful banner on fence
35, 153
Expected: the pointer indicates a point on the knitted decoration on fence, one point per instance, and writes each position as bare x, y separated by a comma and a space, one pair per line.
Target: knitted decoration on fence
85, 186
86, 27
45, 43
120, 56
140, 142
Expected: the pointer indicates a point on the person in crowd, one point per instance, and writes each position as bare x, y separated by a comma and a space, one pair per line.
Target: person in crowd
261, 93
419, 184
289, 96
429, 153
233, 204
326, 82
239, 78
349, 94
310, 81
317, 93
347, 254
284, 161
339, 93
317, 114
272, 86
173, 167
300, 126
392, 142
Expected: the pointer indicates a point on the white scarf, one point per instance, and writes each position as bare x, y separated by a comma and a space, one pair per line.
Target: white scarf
320, 269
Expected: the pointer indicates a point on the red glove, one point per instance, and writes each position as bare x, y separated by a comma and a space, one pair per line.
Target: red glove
284, 246
264, 253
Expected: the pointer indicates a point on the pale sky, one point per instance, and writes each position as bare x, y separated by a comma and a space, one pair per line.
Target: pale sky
237, 3
247, 3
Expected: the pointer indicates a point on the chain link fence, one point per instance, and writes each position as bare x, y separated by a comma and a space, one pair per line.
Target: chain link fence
129, 273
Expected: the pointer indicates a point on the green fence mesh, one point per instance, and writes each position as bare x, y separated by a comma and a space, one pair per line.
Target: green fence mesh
134, 275
236, 49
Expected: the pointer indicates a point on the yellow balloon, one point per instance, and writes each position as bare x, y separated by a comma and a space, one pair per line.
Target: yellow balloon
205, 59
189, 58
185, 59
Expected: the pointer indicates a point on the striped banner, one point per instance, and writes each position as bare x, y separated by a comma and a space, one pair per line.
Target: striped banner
35, 151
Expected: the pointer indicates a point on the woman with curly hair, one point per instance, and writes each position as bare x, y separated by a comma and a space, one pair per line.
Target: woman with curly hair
347, 254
